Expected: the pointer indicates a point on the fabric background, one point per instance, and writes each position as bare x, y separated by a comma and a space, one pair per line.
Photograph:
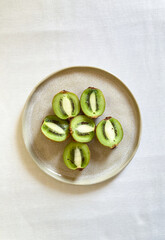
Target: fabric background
126, 38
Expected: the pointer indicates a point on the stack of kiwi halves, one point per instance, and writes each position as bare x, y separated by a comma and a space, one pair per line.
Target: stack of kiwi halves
66, 121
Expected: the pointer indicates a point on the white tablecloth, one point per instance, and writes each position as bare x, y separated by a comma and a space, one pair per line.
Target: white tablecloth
127, 38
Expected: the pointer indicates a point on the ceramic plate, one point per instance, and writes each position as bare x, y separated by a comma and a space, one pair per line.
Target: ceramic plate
120, 103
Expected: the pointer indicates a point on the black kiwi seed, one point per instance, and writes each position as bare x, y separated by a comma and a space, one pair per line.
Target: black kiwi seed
72, 105
61, 107
103, 127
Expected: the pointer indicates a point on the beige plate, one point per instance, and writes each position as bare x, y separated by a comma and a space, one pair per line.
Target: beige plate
120, 103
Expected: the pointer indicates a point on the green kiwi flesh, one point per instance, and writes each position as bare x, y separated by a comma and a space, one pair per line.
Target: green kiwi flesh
82, 128
109, 132
92, 102
55, 128
66, 105
76, 155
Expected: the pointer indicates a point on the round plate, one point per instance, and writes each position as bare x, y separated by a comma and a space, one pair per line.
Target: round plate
120, 103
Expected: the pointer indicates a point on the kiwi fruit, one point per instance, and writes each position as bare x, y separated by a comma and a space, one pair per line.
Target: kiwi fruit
66, 121
82, 128
66, 105
55, 129
92, 102
109, 132
76, 155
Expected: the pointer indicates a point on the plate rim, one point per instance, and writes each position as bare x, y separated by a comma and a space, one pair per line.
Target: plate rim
61, 179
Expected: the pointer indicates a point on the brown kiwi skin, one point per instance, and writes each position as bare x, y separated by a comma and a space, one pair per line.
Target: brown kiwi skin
70, 129
52, 139
92, 87
107, 118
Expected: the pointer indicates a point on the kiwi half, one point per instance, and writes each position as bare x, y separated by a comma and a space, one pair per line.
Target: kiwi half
109, 132
92, 102
55, 128
82, 128
76, 155
66, 105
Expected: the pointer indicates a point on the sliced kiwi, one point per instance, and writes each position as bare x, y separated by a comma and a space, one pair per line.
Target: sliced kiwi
92, 102
66, 105
55, 128
82, 128
76, 155
109, 132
